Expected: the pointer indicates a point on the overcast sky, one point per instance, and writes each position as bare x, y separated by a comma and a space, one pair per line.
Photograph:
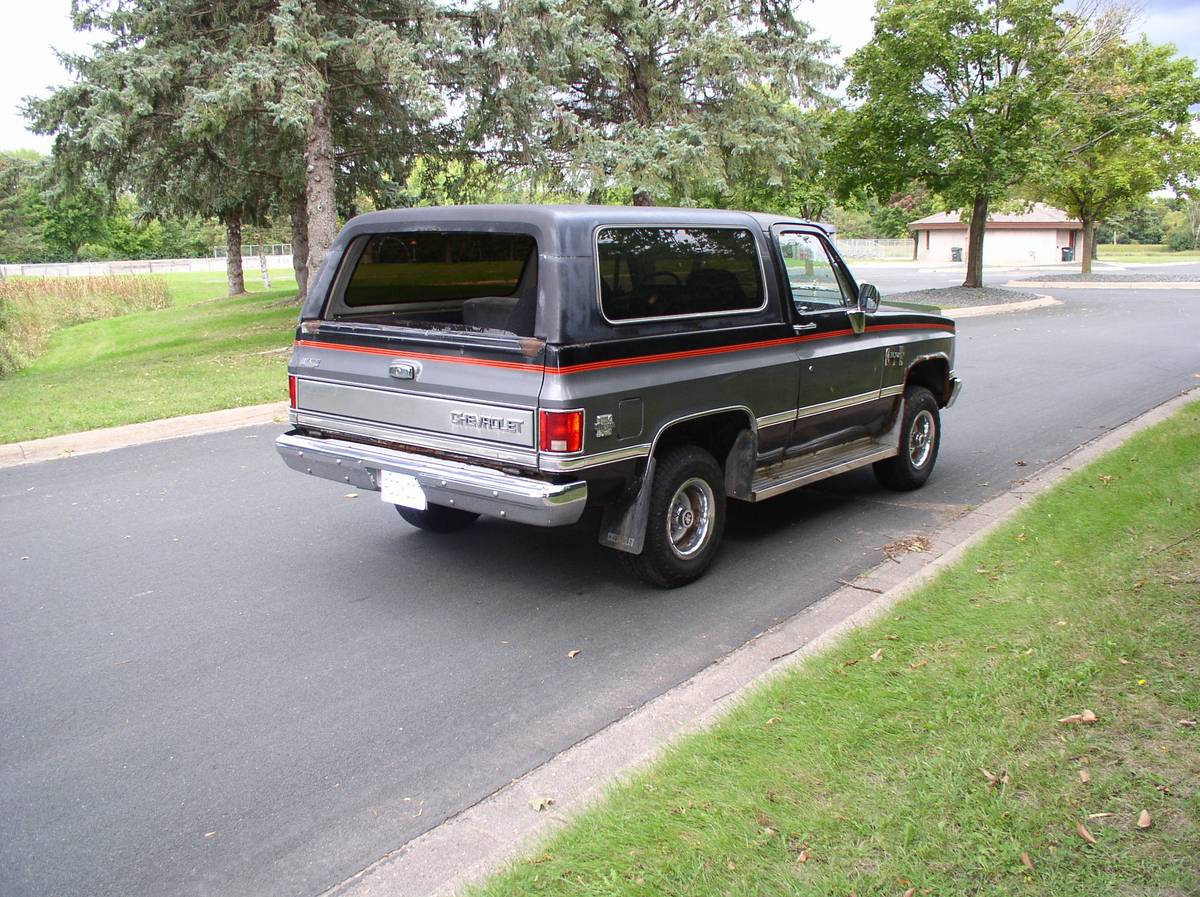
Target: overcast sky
35, 28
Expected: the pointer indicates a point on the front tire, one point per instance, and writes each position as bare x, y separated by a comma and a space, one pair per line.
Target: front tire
438, 518
920, 438
686, 520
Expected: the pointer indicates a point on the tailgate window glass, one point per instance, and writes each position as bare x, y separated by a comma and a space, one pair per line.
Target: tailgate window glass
663, 272
430, 266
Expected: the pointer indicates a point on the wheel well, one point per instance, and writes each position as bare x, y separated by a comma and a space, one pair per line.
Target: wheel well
714, 432
934, 375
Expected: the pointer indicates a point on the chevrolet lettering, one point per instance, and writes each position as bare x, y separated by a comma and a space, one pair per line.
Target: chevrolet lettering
528, 362
480, 422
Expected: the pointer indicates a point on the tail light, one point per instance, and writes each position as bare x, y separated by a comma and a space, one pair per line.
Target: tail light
292, 390
561, 431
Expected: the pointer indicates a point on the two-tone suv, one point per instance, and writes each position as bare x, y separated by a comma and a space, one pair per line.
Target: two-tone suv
524, 362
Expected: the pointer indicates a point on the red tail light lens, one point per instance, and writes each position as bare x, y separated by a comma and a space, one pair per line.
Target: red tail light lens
561, 431
292, 390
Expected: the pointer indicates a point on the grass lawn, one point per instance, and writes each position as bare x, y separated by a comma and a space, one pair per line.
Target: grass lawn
1134, 252
863, 771
200, 354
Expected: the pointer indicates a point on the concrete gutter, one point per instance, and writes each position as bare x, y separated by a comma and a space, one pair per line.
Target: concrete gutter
14, 453
1107, 284
1002, 308
481, 839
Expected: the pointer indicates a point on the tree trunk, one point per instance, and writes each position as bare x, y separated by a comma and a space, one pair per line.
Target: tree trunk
300, 245
642, 198
975, 242
262, 264
233, 255
1089, 245
320, 194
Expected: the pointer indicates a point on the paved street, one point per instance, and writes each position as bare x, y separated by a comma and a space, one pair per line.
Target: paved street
220, 677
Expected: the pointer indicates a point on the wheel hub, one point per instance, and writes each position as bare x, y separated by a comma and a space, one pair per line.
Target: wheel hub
689, 520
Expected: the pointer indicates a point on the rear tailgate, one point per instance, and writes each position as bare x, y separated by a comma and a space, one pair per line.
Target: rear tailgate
456, 393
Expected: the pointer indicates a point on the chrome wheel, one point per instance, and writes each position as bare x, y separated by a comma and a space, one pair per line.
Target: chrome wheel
690, 518
921, 438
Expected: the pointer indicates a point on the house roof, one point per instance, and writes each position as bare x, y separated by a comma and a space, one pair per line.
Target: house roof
1039, 217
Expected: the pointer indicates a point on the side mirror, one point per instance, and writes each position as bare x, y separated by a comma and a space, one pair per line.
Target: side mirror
868, 298
868, 303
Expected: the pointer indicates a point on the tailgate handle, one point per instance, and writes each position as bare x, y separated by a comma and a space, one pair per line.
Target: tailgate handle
404, 370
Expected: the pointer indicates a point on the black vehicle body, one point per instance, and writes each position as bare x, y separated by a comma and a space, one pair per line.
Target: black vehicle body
457, 393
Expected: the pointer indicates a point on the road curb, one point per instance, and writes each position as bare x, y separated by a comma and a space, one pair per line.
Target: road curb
482, 838
1106, 284
109, 438
1002, 308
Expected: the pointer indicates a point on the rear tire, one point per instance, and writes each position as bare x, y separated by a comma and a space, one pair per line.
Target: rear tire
686, 520
920, 437
438, 518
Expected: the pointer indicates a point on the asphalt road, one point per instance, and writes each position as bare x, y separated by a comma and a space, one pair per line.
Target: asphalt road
220, 677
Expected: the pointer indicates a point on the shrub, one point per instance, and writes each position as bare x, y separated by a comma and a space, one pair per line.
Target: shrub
33, 308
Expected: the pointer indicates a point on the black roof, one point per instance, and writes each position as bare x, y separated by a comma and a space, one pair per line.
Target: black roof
561, 230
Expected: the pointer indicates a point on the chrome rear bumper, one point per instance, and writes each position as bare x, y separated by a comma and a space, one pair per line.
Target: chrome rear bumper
451, 483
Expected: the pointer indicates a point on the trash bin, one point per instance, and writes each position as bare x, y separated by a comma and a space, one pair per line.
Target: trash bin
956, 253
1068, 254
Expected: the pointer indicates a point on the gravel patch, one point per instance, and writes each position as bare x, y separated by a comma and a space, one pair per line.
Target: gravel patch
1144, 277
961, 297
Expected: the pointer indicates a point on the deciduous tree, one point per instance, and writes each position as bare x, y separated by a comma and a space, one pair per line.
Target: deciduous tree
955, 94
1126, 133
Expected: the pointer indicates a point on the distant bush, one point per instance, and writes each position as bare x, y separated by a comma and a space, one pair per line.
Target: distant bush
33, 308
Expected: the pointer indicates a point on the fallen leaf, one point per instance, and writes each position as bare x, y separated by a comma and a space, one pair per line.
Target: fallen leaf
918, 664
878, 655
803, 857
911, 892
573, 654
1105, 479
1144, 821
992, 780
1084, 833
1020, 537
892, 638
1061, 623
1025, 860
772, 721
1122, 661
1087, 717
731, 865
1084, 776
541, 803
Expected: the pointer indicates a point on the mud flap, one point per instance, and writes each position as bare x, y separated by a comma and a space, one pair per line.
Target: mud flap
739, 466
623, 526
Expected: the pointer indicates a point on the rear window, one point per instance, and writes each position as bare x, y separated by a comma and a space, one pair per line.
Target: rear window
658, 272
423, 266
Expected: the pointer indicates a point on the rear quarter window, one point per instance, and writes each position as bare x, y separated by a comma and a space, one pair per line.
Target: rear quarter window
665, 272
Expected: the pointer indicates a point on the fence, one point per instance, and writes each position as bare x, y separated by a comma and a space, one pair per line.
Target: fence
143, 266
251, 249
856, 248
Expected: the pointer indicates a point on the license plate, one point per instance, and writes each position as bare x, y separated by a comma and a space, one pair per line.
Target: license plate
401, 489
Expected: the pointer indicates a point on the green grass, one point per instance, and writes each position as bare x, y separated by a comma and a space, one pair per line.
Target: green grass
861, 771
1150, 252
200, 354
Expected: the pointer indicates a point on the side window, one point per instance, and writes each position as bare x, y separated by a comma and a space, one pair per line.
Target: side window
662, 272
811, 274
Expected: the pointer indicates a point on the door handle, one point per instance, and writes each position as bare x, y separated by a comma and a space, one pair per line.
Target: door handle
800, 328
